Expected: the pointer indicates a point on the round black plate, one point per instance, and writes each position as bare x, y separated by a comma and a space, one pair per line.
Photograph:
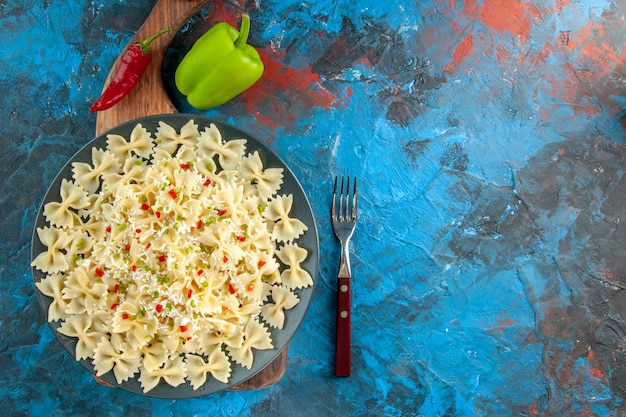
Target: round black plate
301, 209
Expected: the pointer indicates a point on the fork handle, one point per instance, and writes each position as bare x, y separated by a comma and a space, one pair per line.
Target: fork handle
343, 336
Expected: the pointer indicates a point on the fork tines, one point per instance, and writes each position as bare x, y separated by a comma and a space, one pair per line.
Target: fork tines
344, 201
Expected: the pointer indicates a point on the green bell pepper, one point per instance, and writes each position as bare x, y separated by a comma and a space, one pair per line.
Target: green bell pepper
219, 66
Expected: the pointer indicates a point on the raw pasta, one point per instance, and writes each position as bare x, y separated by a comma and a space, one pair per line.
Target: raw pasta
163, 257
286, 228
274, 313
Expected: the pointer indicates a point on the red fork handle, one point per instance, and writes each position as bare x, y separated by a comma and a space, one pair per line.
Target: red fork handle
343, 337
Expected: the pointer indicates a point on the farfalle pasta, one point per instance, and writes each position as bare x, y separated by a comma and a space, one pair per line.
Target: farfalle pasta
171, 256
52, 287
294, 276
286, 228
72, 197
283, 299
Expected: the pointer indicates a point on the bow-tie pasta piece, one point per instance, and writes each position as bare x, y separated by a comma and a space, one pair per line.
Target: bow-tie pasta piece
88, 176
63, 214
86, 293
169, 140
267, 181
155, 354
53, 260
229, 153
80, 326
286, 228
52, 286
173, 372
294, 276
140, 143
256, 337
111, 355
134, 323
218, 365
274, 313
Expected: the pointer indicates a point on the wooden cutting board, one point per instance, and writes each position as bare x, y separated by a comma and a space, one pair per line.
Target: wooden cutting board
149, 98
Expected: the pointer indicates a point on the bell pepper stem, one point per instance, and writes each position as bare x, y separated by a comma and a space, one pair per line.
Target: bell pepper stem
241, 40
145, 44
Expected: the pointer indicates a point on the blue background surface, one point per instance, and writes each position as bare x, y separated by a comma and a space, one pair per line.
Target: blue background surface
488, 139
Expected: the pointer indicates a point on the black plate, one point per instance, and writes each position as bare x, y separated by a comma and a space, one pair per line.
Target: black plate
301, 209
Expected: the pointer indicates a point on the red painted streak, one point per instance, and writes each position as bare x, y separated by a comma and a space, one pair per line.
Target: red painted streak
560, 5
434, 41
455, 26
365, 61
460, 52
279, 77
512, 16
533, 411
267, 121
583, 82
596, 52
596, 373
286, 93
538, 60
607, 273
223, 13
502, 54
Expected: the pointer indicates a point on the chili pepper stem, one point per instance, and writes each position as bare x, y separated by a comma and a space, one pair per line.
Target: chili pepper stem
145, 44
244, 31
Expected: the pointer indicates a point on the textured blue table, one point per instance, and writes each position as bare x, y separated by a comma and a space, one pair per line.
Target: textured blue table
489, 256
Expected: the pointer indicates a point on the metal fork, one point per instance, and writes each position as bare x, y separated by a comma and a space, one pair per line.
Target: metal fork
344, 222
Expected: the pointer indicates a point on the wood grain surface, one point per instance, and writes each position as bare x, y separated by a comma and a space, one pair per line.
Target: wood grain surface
149, 98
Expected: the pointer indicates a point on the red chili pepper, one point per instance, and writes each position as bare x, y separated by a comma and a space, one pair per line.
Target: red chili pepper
231, 289
189, 293
148, 245
137, 230
114, 306
241, 238
145, 206
184, 166
200, 271
261, 263
162, 258
125, 316
99, 272
158, 214
221, 212
159, 308
132, 66
108, 229
134, 268
225, 259
207, 183
200, 224
172, 194
183, 329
